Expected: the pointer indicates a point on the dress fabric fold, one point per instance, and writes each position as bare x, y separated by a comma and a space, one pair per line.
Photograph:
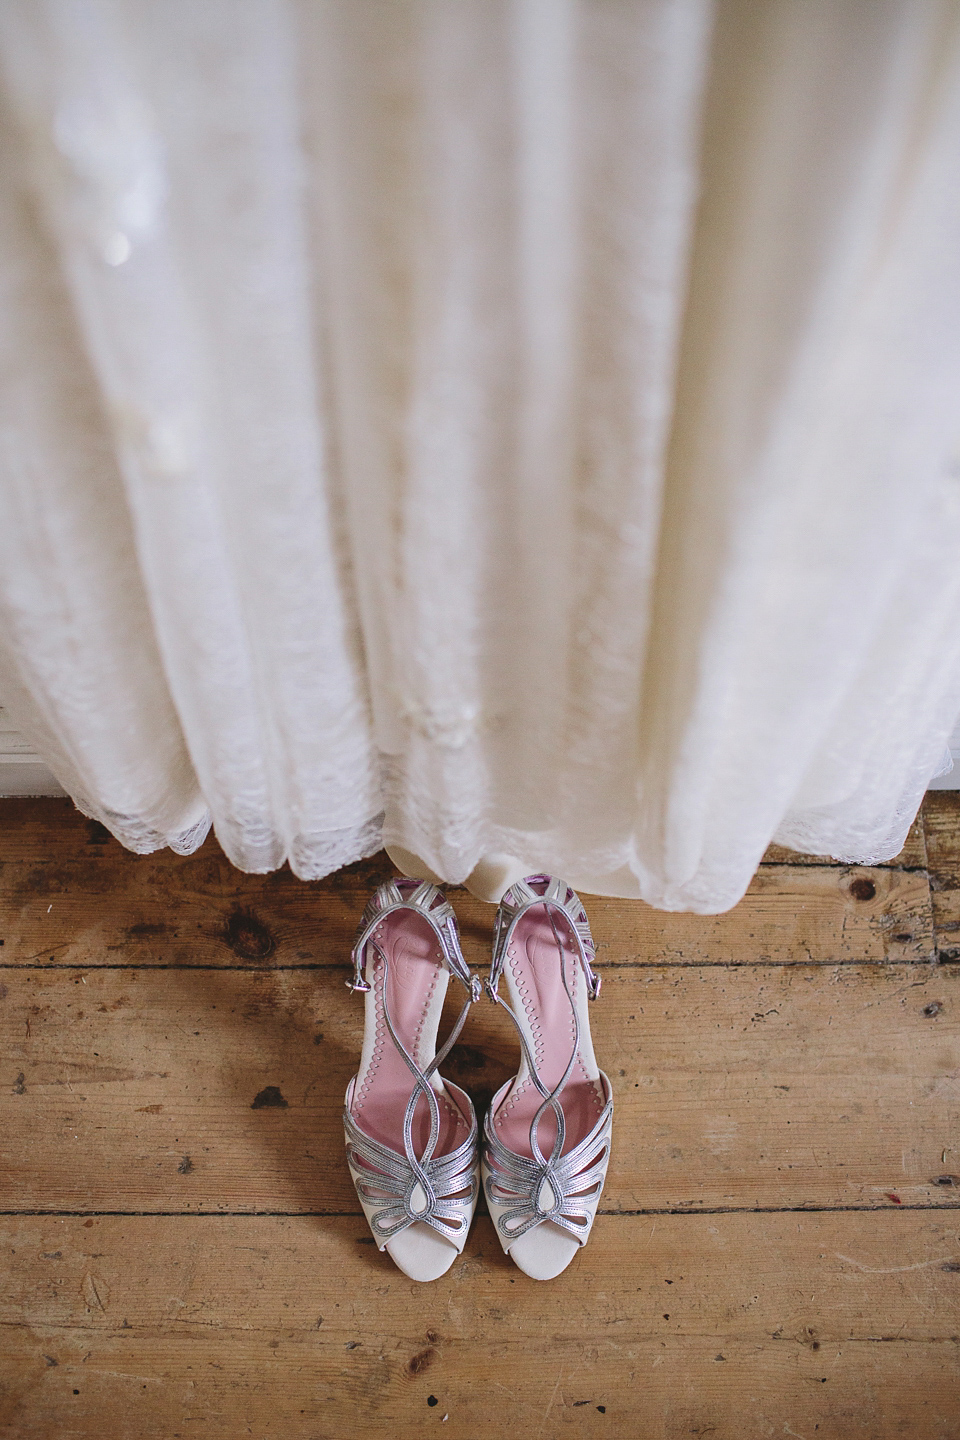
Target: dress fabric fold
523, 433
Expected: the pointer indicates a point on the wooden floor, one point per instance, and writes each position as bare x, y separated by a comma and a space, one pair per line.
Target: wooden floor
778, 1252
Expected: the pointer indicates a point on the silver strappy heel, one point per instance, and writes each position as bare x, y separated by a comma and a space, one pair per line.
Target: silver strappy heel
547, 1135
411, 1137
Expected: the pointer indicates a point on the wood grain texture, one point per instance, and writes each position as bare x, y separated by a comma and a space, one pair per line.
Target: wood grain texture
741, 1086
941, 820
731, 1326
778, 1252
71, 895
940, 816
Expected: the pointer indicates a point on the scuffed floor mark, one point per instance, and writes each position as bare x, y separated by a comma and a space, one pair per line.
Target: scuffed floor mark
894, 1269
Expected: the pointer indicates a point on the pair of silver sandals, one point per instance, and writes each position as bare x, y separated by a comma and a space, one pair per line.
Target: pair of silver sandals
412, 1138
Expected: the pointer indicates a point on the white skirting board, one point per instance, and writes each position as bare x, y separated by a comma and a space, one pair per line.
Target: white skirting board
21, 771
24, 773
952, 780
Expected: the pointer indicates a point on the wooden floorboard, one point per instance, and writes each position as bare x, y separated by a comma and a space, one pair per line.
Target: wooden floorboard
735, 1086
941, 820
71, 895
732, 1326
778, 1251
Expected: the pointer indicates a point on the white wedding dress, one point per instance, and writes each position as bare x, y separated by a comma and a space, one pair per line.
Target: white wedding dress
525, 432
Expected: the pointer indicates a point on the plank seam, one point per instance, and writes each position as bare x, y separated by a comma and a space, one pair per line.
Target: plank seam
929, 960
356, 1215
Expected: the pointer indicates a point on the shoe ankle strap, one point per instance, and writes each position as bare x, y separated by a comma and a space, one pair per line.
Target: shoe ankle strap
541, 890
428, 901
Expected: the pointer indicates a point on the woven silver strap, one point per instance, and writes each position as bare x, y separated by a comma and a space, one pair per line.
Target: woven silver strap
523, 1193
396, 1193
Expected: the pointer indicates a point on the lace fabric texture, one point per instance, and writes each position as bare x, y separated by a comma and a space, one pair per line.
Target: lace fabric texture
522, 432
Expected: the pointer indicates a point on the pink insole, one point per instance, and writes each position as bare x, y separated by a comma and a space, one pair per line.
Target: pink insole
534, 961
413, 971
